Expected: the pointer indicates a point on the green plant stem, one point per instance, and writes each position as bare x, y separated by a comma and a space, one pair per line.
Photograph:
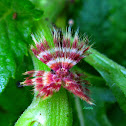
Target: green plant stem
113, 73
54, 111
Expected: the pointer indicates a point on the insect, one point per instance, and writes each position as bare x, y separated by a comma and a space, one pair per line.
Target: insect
60, 58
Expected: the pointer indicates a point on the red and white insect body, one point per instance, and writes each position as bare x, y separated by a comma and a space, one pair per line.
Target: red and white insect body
60, 58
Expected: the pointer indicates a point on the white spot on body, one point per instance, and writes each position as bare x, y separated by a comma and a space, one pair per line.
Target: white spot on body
45, 78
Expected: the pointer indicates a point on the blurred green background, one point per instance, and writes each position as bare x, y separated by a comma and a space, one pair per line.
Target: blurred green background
104, 23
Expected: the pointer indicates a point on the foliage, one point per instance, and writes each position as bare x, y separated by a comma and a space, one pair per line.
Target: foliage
105, 23
16, 20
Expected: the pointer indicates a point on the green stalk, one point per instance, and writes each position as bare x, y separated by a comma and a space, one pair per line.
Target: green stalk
113, 73
54, 111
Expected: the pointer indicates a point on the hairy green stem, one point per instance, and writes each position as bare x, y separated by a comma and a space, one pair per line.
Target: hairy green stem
113, 73
54, 111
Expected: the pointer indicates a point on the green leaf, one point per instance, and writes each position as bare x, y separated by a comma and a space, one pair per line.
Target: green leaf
15, 99
114, 75
105, 25
16, 18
